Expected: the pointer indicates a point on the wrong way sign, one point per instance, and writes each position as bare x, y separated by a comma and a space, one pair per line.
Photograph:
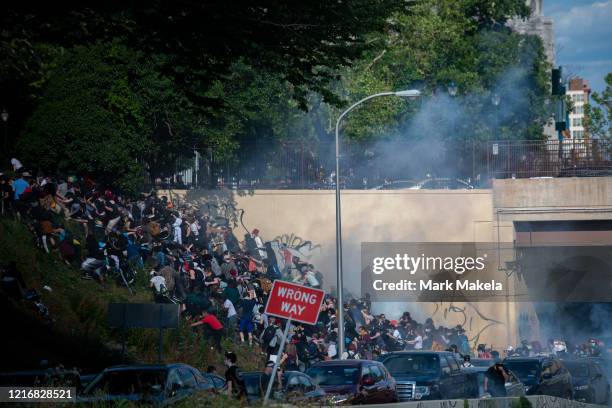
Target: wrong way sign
296, 302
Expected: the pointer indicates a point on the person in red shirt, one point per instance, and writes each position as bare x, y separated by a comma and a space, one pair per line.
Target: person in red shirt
213, 328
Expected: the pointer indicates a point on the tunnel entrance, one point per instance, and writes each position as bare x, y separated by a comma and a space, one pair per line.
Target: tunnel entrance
567, 268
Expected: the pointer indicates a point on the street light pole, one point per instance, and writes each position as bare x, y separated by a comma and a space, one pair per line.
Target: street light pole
412, 93
496, 99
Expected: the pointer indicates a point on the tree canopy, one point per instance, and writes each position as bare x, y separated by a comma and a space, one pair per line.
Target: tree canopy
598, 116
115, 88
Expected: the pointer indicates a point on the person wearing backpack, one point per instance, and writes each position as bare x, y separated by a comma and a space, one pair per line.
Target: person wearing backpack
351, 353
271, 339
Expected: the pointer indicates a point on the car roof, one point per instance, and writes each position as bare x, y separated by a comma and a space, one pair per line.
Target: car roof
578, 360
142, 367
345, 362
538, 359
421, 352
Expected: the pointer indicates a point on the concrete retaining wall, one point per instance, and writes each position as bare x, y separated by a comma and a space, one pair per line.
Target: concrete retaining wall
538, 401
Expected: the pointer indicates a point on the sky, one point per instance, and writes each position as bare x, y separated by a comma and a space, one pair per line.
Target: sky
583, 38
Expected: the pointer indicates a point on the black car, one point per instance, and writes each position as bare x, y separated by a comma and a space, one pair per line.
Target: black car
158, 384
590, 383
355, 381
604, 364
297, 388
426, 374
542, 375
482, 362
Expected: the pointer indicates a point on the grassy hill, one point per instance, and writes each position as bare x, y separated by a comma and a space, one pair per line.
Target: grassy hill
77, 333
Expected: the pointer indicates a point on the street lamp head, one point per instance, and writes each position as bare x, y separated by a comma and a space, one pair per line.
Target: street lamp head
409, 93
452, 89
4, 115
495, 99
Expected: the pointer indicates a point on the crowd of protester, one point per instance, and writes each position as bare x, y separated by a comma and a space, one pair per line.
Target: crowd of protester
221, 282
197, 261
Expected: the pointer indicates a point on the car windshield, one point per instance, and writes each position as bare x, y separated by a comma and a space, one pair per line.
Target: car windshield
482, 362
334, 375
413, 365
579, 370
526, 371
128, 382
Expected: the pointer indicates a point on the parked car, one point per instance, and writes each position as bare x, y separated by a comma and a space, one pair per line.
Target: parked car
590, 383
396, 185
158, 384
442, 184
354, 381
297, 388
86, 380
217, 381
426, 374
482, 362
475, 388
542, 375
604, 364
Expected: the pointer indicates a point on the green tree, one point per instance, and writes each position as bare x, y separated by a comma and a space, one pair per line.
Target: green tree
598, 117
466, 42
105, 110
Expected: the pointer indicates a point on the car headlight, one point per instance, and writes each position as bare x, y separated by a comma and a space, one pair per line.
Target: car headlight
581, 387
421, 391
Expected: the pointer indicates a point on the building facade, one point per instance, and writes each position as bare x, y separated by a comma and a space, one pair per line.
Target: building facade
538, 24
578, 91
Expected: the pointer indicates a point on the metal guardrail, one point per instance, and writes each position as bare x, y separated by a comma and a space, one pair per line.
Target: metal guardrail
311, 166
549, 158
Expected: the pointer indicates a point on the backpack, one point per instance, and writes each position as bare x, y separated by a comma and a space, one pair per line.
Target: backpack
268, 335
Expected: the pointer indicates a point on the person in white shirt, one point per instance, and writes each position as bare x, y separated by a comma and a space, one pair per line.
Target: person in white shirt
332, 352
311, 279
232, 317
178, 233
195, 229
259, 243
16, 164
159, 283
396, 334
418, 341
351, 353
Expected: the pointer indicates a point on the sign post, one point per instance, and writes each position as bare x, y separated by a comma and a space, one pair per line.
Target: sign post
143, 315
277, 362
292, 302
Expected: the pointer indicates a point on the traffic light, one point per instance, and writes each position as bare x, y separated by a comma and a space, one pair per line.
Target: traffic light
557, 86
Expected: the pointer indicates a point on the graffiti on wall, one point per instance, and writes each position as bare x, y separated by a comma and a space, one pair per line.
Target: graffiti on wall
299, 246
470, 317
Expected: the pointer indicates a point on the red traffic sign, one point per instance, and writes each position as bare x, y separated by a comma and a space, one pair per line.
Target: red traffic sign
296, 302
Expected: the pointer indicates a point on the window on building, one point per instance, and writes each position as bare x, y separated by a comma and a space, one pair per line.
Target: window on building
577, 122
578, 134
579, 110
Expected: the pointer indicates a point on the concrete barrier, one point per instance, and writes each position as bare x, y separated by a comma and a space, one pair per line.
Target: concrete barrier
537, 401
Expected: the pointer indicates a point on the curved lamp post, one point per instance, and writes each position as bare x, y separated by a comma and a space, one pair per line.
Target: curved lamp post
410, 93
495, 100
